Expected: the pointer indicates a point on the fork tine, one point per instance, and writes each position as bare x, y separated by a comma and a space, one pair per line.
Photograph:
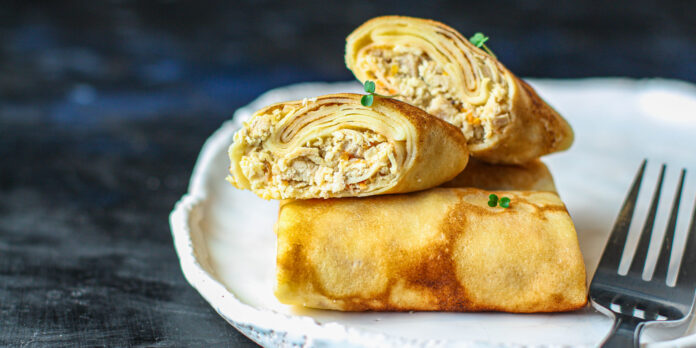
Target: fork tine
641, 252
610, 257
667, 241
687, 269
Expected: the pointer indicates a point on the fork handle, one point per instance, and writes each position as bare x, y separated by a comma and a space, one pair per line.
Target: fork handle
625, 333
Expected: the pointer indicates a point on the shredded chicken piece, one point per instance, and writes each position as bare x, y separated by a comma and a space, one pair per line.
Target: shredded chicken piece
420, 81
347, 160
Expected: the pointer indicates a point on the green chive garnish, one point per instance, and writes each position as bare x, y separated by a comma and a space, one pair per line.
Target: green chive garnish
479, 40
367, 99
492, 200
505, 202
369, 86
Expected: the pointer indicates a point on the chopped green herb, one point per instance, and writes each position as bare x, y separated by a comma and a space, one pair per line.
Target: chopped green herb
369, 86
479, 40
492, 200
505, 202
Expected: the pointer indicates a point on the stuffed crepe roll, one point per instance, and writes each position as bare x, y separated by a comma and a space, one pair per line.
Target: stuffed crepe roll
431, 66
442, 249
333, 146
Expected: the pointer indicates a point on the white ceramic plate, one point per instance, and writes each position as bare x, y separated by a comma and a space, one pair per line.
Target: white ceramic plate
226, 244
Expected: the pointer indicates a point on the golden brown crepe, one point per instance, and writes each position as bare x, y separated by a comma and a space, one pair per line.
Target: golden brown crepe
443, 249
531, 176
333, 146
431, 66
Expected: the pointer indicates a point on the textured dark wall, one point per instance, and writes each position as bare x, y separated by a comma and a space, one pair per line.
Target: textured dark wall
248, 46
104, 107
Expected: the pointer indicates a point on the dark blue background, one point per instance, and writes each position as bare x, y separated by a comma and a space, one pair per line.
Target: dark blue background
104, 107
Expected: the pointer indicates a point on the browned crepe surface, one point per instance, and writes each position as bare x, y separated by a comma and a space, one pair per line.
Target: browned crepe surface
531, 176
443, 249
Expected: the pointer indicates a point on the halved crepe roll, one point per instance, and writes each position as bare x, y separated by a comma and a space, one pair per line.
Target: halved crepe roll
433, 67
333, 146
443, 249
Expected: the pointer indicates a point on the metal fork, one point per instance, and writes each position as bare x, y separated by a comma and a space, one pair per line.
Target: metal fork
632, 300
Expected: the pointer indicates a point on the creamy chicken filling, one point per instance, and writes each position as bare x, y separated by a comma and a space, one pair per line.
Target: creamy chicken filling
420, 81
347, 160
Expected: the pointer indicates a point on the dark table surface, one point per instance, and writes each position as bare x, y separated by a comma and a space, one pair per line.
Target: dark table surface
105, 105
